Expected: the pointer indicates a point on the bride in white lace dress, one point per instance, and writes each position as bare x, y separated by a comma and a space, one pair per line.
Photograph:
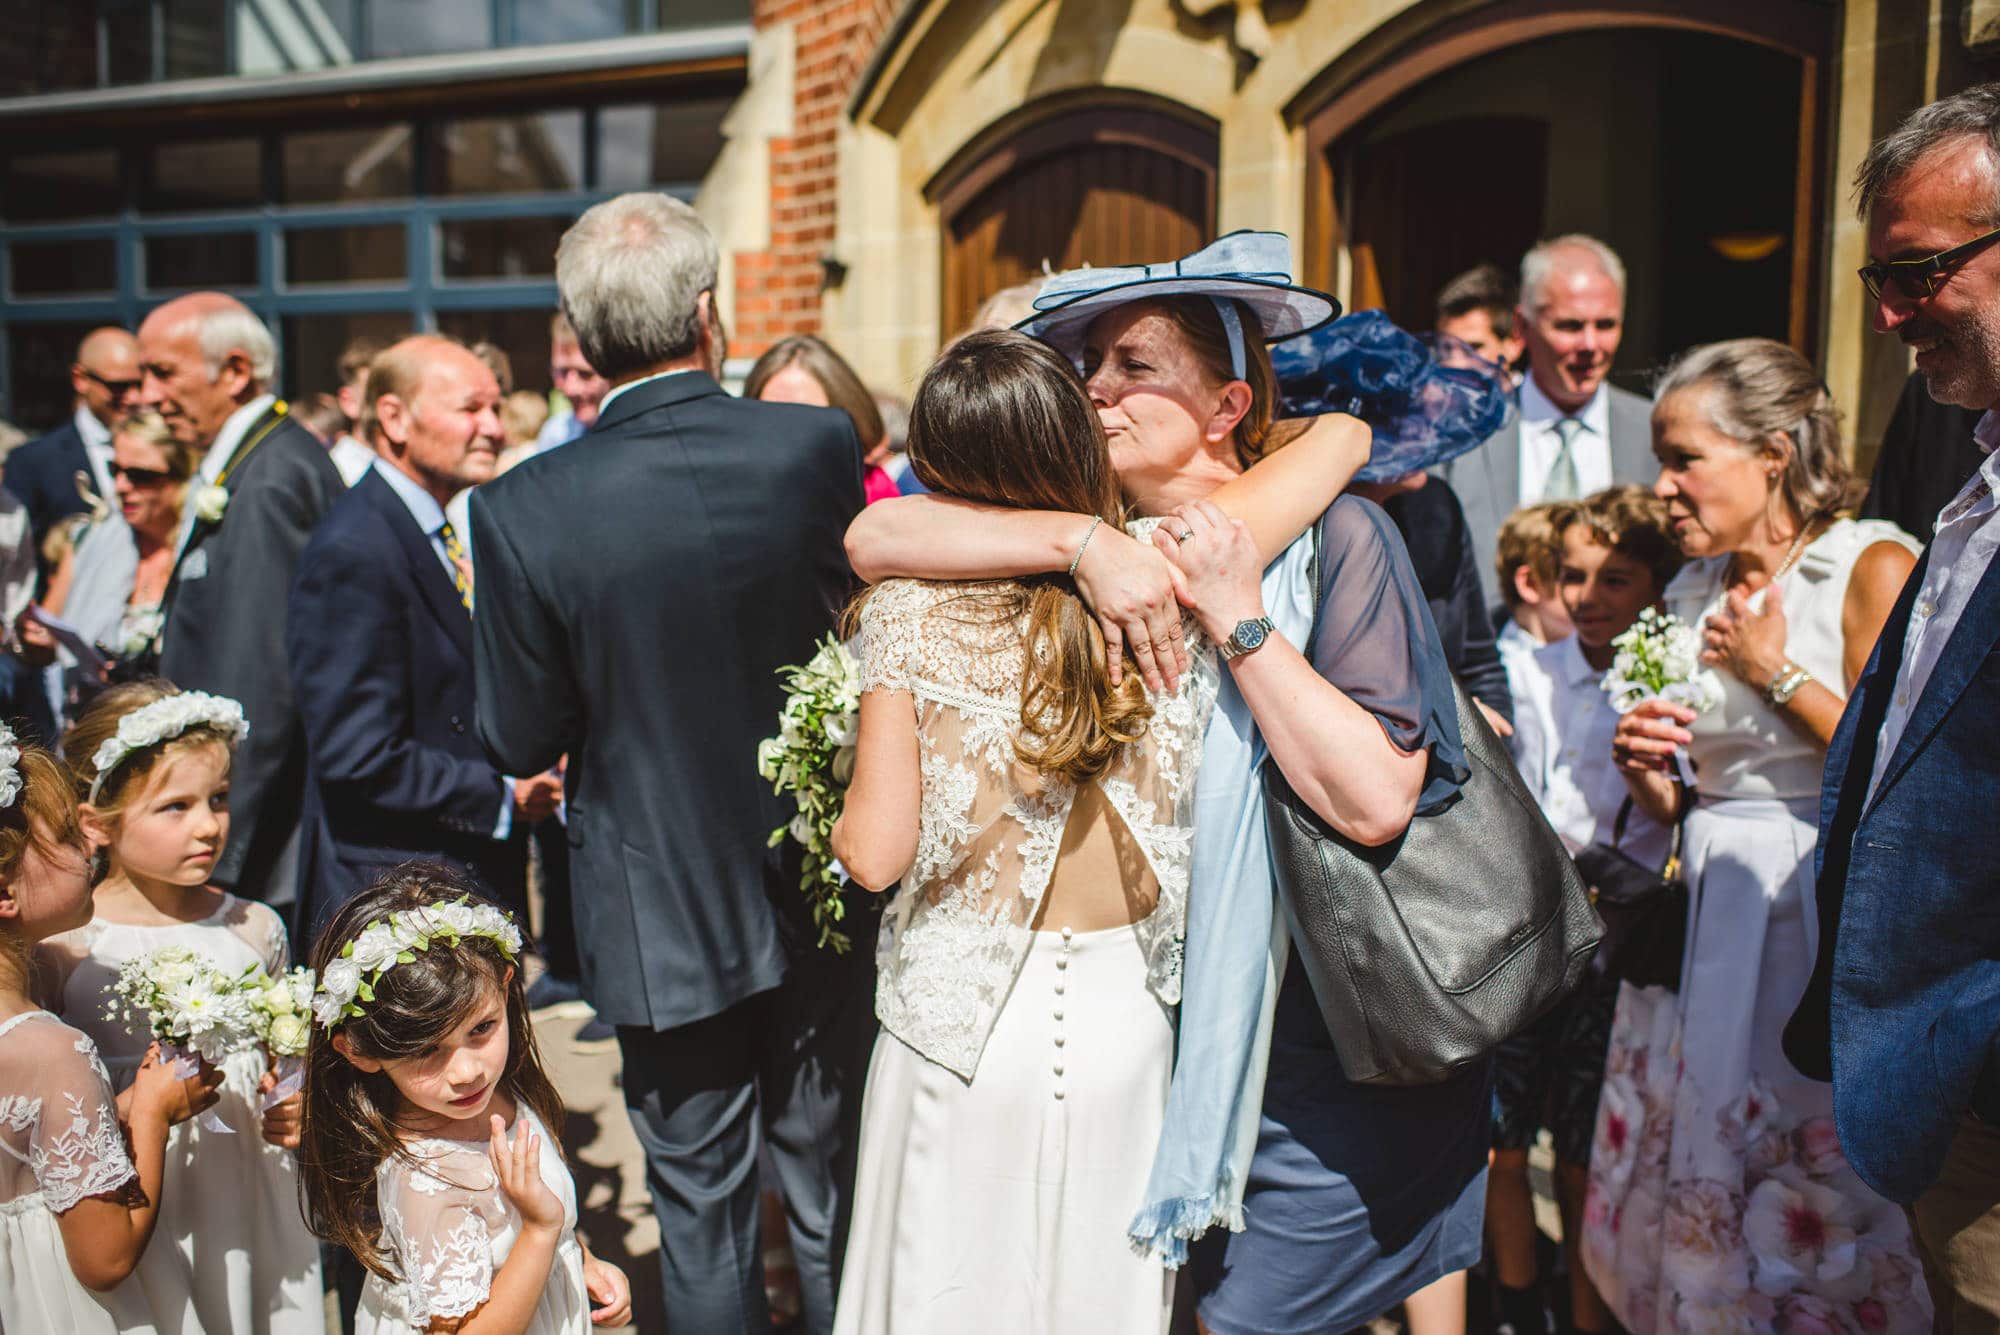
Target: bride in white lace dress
1039, 821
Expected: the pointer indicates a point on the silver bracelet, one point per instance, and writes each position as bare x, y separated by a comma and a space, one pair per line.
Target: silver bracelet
1786, 685
1082, 547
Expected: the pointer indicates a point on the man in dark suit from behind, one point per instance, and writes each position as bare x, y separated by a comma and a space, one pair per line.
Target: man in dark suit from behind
379, 634
638, 590
263, 483
1903, 1009
50, 474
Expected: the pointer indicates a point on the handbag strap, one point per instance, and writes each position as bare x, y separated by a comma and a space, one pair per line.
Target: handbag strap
1684, 800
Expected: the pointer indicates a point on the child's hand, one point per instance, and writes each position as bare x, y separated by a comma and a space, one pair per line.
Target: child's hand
282, 1120
610, 1290
519, 1164
158, 1092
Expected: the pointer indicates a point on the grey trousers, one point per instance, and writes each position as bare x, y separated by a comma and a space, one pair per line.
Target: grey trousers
784, 1069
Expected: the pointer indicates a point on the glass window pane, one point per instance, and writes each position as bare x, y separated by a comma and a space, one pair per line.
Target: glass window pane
227, 259
51, 268
128, 40
50, 187
313, 344
202, 174
510, 154
501, 247
374, 253
669, 144
38, 362
523, 335
428, 27
576, 21
195, 41
333, 166
49, 51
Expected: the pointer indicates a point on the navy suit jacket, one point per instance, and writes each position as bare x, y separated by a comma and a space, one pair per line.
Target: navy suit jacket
638, 591
1903, 1009
380, 647
42, 476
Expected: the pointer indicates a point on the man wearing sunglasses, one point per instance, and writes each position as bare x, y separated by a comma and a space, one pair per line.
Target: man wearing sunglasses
1903, 1011
43, 474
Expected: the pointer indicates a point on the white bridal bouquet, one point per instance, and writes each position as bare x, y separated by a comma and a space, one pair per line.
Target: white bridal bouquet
281, 1010
187, 1003
1659, 657
812, 757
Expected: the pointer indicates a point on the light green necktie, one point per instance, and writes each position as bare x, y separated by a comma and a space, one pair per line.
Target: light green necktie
1562, 483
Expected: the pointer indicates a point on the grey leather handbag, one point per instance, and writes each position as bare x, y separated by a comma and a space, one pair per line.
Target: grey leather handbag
1428, 951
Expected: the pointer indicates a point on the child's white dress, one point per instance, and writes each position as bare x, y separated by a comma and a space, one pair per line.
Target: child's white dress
60, 1144
232, 1251
448, 1228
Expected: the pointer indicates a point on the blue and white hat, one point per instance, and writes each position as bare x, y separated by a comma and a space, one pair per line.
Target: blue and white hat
1254, 268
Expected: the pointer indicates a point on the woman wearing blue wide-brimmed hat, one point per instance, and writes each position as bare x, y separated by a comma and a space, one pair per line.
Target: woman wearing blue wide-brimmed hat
1337, 1200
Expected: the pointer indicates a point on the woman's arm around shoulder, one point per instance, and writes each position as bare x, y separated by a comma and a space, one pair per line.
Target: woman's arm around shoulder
1289, 488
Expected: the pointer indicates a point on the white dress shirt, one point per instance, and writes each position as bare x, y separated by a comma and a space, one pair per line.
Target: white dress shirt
1968, 531
1541, 442
351, 457
97, 448
1528, 682
220, 452
1578, 784
430, 517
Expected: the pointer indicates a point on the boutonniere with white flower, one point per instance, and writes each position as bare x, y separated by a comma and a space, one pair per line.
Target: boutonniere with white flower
210, 502
812, 757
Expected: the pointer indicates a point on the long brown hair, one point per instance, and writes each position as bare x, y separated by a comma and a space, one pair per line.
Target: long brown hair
1001, 418
844, 389
349, 1123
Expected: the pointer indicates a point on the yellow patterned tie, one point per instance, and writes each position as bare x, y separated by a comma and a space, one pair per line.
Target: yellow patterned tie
461, 565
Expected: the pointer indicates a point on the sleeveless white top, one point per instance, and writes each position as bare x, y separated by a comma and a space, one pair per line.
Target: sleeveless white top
1744, 748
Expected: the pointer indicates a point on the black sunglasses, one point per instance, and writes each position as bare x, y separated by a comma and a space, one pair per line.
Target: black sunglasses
117, 389
141, 477
1919, 280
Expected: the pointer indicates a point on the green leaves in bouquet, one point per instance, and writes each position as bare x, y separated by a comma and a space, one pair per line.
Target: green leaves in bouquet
812, 758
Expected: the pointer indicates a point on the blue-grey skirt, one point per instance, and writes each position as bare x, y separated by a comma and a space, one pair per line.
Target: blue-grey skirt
1359, 1195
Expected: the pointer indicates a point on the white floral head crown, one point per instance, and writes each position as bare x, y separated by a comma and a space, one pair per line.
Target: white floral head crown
349, 981
164, 719
10, 767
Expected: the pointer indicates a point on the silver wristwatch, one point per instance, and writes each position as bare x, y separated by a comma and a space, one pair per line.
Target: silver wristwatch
1247, 636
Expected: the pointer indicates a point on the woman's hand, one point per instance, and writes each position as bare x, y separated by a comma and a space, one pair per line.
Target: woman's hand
157, 1092
519, 1164
609, 1289
1750, 645
1136, 594
1648, 735
283, 1119
1218, 560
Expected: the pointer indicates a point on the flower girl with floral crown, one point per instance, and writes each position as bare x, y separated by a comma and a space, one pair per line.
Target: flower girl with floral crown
80, 1195
421, 1057
152, 764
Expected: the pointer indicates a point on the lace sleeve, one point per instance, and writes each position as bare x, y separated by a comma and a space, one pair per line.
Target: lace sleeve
1377, 643
75, 1147
263, 930
439, 1215
886, 639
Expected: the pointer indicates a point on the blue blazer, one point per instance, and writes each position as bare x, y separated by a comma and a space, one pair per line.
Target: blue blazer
380, 647
1904, 1005
42, 476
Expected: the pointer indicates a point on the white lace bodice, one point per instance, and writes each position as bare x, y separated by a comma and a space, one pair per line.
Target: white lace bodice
1744, 747
83, 965
60, 1142
448, 1227
953, 940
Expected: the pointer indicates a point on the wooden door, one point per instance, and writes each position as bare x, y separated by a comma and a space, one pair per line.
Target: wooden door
1099, 188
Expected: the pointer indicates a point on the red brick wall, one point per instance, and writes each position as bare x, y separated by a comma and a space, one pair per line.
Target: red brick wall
778, 290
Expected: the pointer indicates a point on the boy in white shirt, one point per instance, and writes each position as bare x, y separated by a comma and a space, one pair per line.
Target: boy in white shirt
1530, 553
1616, 555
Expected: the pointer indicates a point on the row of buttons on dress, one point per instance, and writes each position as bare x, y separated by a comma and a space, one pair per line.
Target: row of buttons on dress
1062, 974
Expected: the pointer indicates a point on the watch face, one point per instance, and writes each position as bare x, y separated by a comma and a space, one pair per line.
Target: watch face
1249, 634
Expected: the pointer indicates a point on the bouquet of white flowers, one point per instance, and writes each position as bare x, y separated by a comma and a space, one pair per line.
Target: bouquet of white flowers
187, 1003
812, 757
281, 1013
1659, 657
